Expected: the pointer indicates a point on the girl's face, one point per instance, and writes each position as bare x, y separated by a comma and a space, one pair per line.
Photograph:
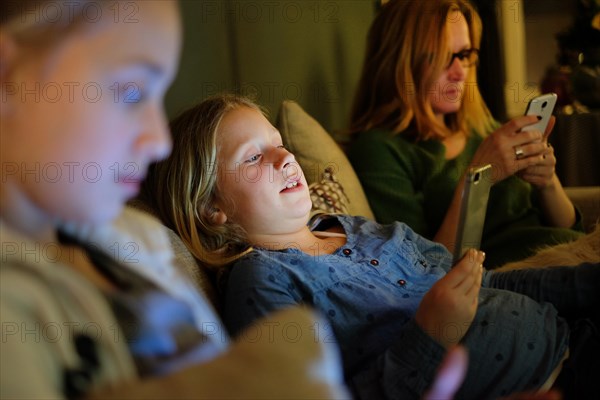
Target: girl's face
448, 90
261, 186
82, 123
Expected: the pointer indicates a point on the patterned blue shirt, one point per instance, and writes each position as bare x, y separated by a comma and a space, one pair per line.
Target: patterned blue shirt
370, 289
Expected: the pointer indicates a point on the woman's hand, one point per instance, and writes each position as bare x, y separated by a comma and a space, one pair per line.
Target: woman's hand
509, 150
556, 205
448, 308
541, 175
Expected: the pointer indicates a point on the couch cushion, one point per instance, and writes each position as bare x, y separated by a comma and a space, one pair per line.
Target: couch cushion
587, 200
316, 151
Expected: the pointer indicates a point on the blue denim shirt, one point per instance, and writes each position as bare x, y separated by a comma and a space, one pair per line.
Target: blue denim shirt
369, 291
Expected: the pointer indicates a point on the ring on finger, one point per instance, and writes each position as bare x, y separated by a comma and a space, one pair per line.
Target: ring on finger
519, 153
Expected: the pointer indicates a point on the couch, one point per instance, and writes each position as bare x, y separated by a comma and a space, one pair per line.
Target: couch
333, 185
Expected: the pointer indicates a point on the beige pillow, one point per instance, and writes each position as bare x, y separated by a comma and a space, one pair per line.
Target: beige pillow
316, 151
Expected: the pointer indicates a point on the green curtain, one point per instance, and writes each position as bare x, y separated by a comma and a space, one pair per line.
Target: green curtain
304, 50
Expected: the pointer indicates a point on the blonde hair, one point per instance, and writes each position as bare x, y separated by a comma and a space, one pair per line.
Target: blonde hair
41, 23
182, 189
407, 49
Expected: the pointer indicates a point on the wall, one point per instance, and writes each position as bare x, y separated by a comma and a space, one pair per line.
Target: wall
529, 29
543, 20
304, 50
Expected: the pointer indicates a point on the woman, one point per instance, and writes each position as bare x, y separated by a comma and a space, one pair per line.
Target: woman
419, 122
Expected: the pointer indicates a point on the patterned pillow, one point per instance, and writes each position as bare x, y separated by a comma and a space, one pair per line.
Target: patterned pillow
328, 195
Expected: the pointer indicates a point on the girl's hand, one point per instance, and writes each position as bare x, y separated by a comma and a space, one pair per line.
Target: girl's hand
448, 308
508, 150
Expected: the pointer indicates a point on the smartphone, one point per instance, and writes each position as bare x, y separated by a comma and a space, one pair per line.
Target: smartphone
542, 106
473, 207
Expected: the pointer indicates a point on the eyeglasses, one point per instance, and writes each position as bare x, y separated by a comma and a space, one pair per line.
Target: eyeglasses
467, 58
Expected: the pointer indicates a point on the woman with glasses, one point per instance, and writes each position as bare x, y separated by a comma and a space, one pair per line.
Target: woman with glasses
419, 122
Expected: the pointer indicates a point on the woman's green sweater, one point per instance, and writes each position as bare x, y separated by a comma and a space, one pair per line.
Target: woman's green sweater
412, 182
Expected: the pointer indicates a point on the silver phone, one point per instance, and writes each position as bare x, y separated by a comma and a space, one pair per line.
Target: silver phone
473, 207
542, 106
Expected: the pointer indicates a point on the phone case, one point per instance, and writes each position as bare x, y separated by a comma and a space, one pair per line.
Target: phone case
472, 210
543, 106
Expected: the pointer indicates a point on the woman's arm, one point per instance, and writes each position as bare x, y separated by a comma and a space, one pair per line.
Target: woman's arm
556, 205
558, 209
536, 165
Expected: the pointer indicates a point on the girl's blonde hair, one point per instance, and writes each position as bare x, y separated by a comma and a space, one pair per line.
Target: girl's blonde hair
41, 23
407, 49
182, 189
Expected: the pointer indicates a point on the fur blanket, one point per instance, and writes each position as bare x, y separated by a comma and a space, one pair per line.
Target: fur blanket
582, 250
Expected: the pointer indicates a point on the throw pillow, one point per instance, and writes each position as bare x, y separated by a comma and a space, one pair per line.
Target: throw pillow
328, 195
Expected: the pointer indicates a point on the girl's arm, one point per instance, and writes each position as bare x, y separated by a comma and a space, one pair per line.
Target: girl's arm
253, 292
404, 371
408, 367
453, 300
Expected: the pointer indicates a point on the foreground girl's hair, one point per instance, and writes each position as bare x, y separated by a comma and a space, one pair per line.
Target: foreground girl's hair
183, 188
30, 21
